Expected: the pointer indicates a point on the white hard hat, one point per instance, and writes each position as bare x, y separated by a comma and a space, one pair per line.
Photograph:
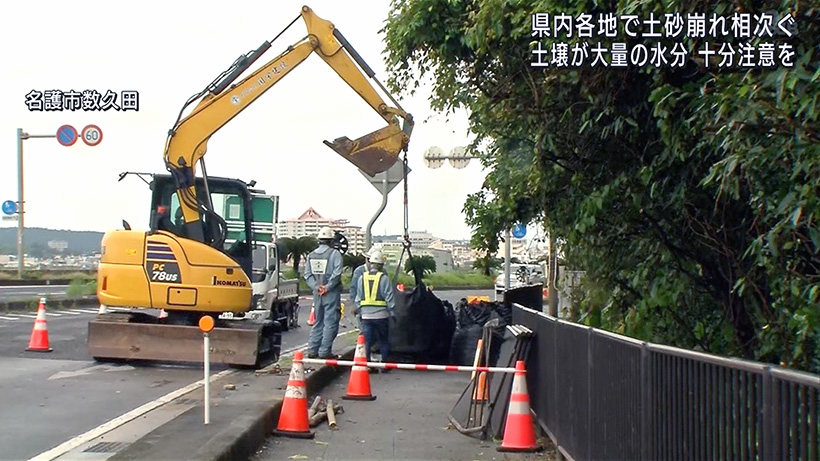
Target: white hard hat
376, 257
325, 233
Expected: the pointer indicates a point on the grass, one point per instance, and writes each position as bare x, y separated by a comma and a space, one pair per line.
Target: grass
48, 275
81, 287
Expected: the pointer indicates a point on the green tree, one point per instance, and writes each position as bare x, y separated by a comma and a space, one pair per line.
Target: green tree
426, 264
353, 261
487, 264
688, 194
283, 248
298, 248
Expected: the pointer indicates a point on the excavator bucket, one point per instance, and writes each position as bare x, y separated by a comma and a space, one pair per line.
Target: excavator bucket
375, 152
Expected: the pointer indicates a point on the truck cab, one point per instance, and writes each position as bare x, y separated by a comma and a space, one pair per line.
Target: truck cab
273, 294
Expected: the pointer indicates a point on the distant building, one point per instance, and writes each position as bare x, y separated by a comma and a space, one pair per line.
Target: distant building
59, 245
462, 252
309, 223
421, 239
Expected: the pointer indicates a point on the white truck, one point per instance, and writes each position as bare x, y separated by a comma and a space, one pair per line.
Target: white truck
274, 296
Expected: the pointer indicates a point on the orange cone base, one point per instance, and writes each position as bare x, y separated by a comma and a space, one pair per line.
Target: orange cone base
359, 397
39, 350
294, 435
520, 450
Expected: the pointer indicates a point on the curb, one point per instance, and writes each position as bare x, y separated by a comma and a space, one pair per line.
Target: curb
239, 438
248, 441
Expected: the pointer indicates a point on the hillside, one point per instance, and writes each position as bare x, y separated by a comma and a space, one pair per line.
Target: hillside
36, 241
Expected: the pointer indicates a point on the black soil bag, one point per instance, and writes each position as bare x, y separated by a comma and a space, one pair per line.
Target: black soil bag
424, 326
470, 322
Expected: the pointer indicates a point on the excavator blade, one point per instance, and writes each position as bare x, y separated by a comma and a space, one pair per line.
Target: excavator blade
375, 152
248, 346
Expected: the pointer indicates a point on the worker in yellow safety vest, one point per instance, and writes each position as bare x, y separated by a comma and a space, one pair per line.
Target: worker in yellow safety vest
376, 304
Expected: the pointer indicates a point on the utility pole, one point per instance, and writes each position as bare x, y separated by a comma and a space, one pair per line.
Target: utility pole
552, 297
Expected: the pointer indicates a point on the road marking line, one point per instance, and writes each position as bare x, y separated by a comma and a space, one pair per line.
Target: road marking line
28, 316
8, 318
84, 311
71, 444
71, 312
53, 314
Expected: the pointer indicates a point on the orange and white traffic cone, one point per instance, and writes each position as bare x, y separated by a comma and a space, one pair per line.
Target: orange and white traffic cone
162, 314
481, 394
293, 417
312, 318
519, 434
480, 389
39, 334
358, 387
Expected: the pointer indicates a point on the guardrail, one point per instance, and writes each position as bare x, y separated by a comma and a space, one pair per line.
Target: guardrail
599, 395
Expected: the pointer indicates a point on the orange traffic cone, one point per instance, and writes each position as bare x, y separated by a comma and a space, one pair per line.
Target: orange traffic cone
39, 334
162, 314
519, 434
358, 388
312, 318
480, 390
481, 394
293, 417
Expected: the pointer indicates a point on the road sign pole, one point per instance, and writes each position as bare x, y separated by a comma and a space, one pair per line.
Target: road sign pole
21, 136
507, 251
20, 210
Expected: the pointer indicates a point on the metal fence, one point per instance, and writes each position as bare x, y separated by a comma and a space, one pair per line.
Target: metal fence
599, 395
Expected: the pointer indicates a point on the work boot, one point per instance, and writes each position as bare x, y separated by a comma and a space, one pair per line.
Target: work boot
312, 355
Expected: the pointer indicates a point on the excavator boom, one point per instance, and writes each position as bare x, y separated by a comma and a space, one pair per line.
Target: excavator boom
372, 153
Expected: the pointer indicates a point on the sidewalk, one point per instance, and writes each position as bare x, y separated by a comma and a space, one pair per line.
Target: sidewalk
407, 420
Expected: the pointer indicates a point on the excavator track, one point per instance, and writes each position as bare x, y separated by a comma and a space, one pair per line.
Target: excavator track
139, 336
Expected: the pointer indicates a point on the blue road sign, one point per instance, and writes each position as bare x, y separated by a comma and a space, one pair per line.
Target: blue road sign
66, 135
519, 231
9, 207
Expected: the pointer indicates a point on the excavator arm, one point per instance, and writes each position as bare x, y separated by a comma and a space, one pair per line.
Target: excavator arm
222, 101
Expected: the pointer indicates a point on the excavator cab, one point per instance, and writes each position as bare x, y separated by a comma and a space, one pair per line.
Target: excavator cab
231, 200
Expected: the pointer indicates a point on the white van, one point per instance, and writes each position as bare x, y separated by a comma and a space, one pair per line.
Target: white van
520, 275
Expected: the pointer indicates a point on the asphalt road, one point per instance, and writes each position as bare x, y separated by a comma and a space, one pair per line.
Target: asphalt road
48, 398
32, 291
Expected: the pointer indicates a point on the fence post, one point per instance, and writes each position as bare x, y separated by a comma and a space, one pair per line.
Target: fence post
646, 404
590, 392
767, 424
557, 389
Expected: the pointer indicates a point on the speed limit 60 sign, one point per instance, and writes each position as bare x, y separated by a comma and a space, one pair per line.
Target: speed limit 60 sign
91, 135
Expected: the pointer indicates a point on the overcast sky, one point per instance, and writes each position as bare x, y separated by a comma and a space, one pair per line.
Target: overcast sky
168, 51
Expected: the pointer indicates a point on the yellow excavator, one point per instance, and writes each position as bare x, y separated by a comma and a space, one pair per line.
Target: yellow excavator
184, 264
